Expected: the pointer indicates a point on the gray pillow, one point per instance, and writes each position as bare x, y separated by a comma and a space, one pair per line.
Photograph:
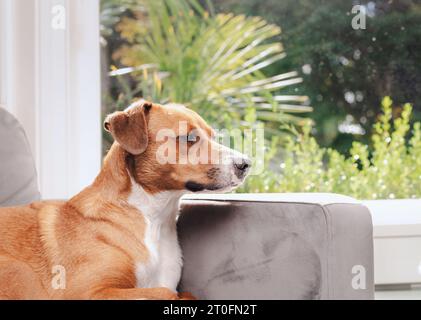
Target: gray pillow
18, 179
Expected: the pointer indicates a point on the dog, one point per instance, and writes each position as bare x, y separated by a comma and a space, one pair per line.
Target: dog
117, 238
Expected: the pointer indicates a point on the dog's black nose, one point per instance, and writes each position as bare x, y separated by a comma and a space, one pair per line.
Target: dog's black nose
241, 165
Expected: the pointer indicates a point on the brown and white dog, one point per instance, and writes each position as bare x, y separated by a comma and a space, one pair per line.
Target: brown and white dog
117, 238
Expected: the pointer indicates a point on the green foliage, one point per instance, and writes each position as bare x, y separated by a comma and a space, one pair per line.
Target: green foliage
176, 51
391, 170
382, 60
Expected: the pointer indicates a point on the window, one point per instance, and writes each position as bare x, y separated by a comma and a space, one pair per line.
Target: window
50, 51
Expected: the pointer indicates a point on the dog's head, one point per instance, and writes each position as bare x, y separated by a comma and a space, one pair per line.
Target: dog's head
170, 147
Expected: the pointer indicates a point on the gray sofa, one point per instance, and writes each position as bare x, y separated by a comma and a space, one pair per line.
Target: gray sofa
244, 246
18, 179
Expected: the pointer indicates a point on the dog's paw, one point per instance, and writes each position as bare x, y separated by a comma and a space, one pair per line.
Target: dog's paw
186, 296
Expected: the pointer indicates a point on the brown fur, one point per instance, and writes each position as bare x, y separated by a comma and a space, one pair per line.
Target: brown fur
96, 236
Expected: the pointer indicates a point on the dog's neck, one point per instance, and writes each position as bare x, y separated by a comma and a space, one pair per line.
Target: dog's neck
160, 207
114, 179
115, 185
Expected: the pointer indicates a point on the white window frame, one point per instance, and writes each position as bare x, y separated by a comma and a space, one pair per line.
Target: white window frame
51, 83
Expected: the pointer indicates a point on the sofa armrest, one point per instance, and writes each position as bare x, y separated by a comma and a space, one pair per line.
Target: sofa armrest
276, 246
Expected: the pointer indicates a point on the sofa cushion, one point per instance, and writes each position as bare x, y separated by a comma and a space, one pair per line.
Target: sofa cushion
18, 179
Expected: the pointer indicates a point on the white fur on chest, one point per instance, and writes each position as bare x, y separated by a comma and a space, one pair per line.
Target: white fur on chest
163, 266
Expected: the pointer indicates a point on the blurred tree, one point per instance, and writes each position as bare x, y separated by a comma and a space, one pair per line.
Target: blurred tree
346, 71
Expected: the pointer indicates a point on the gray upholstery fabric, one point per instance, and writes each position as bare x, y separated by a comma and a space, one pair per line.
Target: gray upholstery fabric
18, 180
274, 250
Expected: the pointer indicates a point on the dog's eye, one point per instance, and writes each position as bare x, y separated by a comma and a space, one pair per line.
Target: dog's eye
192, 138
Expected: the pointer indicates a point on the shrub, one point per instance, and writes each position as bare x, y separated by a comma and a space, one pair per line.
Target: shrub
391, 169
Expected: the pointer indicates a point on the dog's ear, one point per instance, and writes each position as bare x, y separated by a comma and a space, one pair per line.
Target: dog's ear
129, 128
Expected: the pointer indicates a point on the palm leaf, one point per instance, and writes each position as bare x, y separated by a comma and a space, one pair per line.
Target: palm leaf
217, 61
